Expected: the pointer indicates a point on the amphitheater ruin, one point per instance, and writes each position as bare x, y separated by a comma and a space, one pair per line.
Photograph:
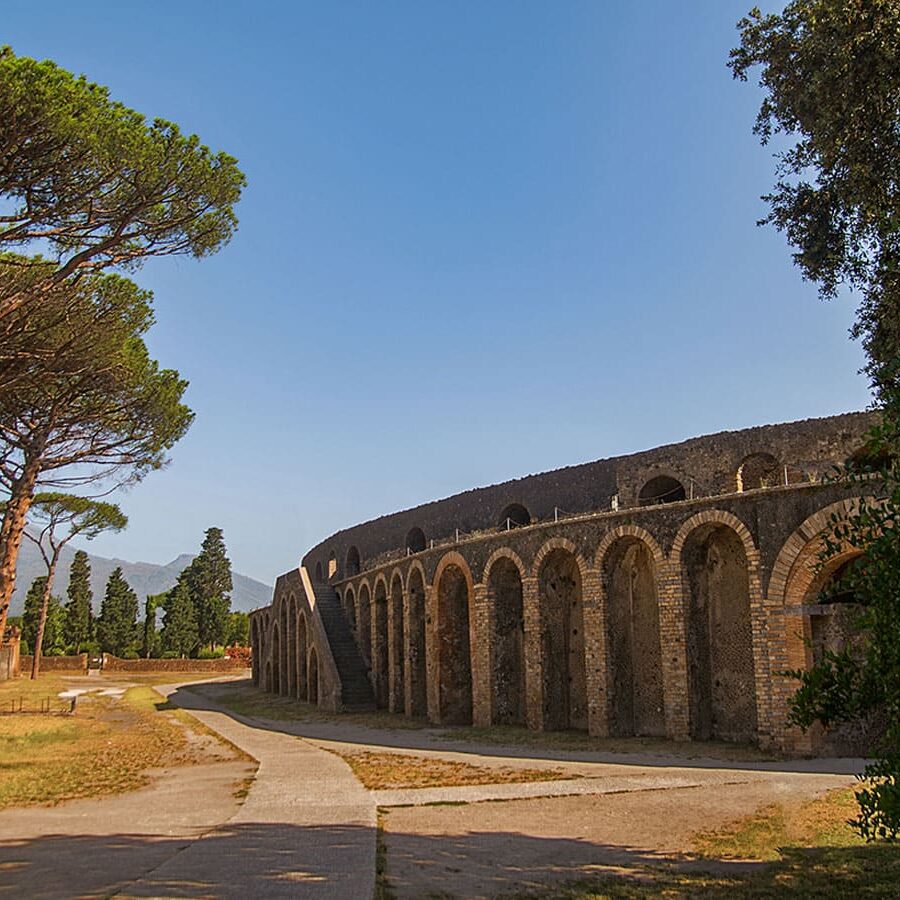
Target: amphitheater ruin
665, 593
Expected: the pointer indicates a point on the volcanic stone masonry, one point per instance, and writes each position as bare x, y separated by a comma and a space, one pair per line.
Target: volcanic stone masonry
663, 593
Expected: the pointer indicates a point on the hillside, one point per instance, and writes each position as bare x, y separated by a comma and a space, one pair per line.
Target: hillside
144, 578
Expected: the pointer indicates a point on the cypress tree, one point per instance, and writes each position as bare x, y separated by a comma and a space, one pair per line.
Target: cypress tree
31, 615
209, 581
78, 609
118, 615
179, 632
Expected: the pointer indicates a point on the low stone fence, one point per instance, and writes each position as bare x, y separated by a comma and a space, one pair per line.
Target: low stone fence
77, 663
114, 664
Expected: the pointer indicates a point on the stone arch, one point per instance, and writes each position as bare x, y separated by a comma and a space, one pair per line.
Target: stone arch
275, 679
630, 561
302, 658
254, 651
318, 571
350, 608
454, 597
661, 489
284, 654
380, 641
758, 470
396, 645
332, 564
719, 566
364, 622
416, 669
352, 563
312, 677
415, 540
515, 515
268, 679
291, 646
503, 583
560, 572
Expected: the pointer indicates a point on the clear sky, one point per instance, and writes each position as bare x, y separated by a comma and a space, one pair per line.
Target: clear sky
479, 240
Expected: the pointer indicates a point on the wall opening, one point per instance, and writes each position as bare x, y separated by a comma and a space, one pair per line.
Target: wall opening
562, 642
350, 608
364, 634
662, 489
380, 649
396, 654
508, 644
720, 637
759, 470
318, 571
269, 678
313, 676
454, 654
417, 704
353, 563
634, 658
275, 680
302, 641
283, 665
415, 540
514, 516
291, 647
332, 565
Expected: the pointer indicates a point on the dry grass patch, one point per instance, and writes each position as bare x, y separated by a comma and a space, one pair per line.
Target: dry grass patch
380, 771
107, 747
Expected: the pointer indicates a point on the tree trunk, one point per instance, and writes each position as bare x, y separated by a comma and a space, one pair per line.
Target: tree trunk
14, 519
42, 619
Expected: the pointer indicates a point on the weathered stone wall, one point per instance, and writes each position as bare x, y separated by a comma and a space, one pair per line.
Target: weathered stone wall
115, 664
676, 618
77, 663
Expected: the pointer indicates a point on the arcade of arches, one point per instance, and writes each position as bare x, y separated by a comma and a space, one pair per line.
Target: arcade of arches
619, 638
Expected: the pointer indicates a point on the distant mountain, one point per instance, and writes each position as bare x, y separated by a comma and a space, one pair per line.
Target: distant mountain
144, 578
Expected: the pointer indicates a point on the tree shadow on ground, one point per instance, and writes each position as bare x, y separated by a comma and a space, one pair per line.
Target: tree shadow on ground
217, 697
276, 860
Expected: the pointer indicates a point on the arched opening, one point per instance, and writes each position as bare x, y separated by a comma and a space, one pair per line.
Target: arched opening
302, 662
396, 653
318, 571
759, 470
365, 625
514, 516
661, 489
254, 652
312, 677
284, 656
415, 540
634, 658
291, 647
353, 563
562, 642
454, 653
720, 637
268, 681
508, 644
332, 565
417, 704
275, 680
380, 649
350, 608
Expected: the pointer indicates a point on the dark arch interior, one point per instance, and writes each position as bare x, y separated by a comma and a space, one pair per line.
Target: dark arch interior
662, 489
514, 516
415, 540
353, 562
758, 470
318, 571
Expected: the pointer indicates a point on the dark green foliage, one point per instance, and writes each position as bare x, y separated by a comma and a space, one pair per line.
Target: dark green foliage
53, 643
830, 71
209, 581
150, 641
31, 613
238, 631
78, 619
116, 626
179, 636
97, 181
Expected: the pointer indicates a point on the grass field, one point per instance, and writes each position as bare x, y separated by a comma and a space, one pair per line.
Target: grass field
106, 747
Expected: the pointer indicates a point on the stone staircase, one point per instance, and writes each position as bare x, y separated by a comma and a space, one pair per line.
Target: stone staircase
356, 689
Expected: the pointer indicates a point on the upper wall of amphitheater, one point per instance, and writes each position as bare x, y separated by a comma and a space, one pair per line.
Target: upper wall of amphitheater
710, 471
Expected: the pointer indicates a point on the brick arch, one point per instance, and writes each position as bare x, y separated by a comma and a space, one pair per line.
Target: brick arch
628, 531
453, 558
382, 577
503, 553
716, 517
799, 546
557, 543
415, 564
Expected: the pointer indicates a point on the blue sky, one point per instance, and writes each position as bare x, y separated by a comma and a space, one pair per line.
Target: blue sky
479, 240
